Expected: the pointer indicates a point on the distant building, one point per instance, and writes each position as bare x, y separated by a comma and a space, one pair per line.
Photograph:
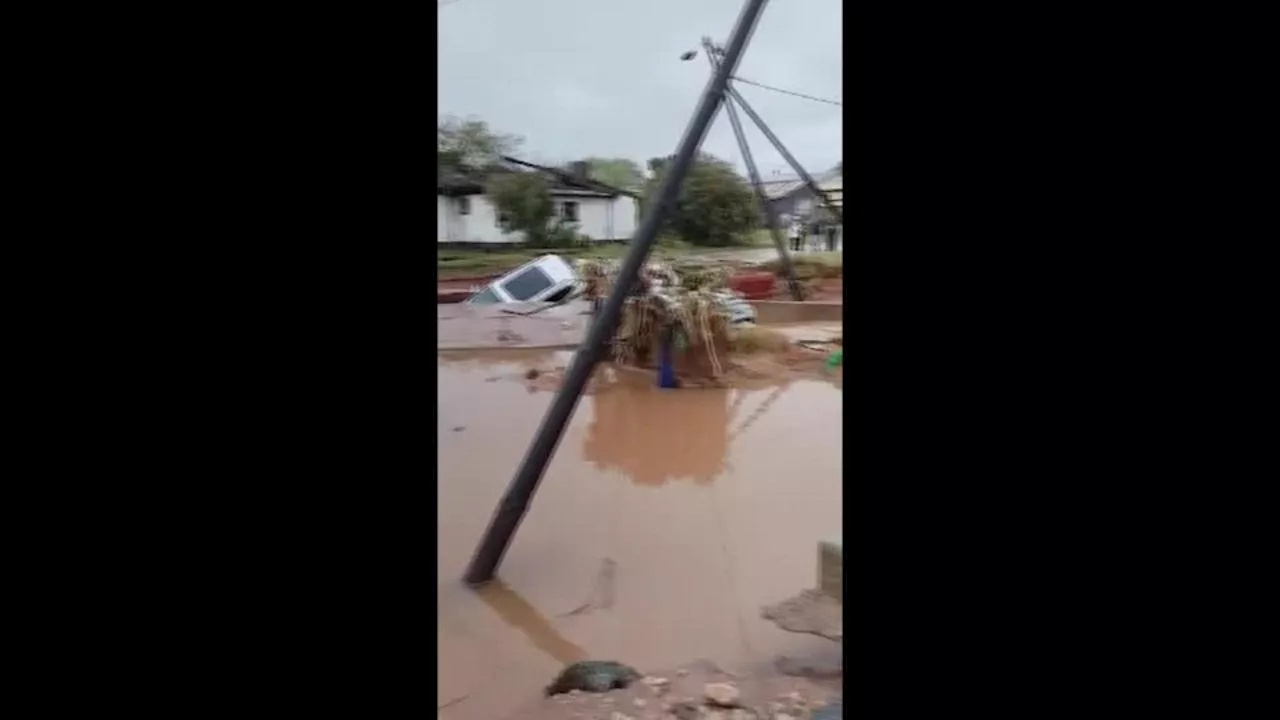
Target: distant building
466, 215
793, 198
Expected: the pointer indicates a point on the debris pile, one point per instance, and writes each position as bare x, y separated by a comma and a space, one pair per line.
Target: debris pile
686, 308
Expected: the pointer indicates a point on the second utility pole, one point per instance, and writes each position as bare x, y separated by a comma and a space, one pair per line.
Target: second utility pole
770, 217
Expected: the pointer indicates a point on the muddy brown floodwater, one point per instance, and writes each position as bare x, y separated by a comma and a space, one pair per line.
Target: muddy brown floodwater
664, 522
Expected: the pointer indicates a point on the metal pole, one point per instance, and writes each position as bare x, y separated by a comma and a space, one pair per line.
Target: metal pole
766, 207
515, 502
782, 150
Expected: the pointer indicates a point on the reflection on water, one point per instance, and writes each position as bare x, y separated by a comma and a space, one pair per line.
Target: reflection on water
653, 436
518, 613
701, 506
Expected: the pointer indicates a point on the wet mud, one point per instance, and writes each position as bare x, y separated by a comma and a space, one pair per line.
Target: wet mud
662, 526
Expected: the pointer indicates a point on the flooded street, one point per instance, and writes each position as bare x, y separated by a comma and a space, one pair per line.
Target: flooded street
664, 522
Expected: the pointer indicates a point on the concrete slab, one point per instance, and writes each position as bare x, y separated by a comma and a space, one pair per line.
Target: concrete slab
465, 327
818, 332
831, 569
812, 612
775, 312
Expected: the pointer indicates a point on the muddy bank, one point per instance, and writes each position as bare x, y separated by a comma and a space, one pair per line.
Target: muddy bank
694, 691
742, 371
815, 290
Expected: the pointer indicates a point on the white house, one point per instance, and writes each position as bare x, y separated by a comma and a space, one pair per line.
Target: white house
465, 214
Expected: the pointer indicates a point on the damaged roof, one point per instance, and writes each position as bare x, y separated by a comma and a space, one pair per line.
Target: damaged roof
454, 182
777, 189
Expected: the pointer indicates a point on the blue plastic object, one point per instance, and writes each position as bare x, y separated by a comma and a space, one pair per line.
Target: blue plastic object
666, 370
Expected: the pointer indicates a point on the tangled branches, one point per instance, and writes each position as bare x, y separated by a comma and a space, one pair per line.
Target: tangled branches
686, 304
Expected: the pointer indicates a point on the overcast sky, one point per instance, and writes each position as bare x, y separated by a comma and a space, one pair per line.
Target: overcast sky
603, 78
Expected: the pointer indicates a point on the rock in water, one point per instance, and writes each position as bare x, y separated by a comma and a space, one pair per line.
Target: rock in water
596, 676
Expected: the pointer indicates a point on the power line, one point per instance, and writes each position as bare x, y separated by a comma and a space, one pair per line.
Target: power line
785, 92
712, 48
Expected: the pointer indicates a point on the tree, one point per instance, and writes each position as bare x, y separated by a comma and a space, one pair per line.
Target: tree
618, 172
716, 206
467, 145
524, 204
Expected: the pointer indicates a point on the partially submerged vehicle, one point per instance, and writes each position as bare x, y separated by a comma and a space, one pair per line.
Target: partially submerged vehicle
547, 278
551, 279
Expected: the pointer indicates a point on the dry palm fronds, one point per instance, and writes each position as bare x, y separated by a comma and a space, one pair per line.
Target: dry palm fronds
665, 301
597, 276
704, 277
700, 316
643, 317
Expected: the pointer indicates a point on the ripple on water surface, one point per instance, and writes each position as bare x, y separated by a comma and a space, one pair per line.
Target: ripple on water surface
663, 523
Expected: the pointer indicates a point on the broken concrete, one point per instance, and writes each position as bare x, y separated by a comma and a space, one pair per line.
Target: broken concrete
775, 312
812, 612
831, 569
468, 327
697, 691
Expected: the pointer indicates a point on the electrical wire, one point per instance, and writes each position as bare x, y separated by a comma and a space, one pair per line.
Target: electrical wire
720, 51
788, 92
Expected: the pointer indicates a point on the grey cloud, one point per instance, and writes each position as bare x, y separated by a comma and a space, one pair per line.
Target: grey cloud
604, 78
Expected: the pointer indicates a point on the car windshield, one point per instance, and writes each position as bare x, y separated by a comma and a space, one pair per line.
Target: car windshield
485, 297
527, 284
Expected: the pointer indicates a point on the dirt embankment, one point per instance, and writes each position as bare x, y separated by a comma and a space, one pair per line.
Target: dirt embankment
745, 371
815, 290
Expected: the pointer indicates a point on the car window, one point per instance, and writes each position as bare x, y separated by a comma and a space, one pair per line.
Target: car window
527, 284
558, 295
485, 297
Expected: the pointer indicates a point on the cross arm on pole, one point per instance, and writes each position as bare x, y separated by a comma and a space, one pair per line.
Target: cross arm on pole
734, 95
766, 207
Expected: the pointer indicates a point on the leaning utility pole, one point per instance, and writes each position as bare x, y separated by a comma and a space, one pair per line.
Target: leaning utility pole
766, 207
515, 502
782, 150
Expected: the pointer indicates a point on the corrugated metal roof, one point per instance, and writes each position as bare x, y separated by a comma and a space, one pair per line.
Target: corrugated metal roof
777, 189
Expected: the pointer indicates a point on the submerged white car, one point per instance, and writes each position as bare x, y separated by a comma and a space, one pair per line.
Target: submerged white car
547, 278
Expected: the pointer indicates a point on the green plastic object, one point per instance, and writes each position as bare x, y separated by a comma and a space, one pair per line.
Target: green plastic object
837, 358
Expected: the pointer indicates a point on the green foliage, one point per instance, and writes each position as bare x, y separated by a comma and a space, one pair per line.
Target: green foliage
463, 145
562, 235
524, 203
716, 206
618, 172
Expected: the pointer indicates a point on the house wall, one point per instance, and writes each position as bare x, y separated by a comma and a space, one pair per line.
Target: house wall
626, 218
804, 203
600, 218
800, 203
446, 219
